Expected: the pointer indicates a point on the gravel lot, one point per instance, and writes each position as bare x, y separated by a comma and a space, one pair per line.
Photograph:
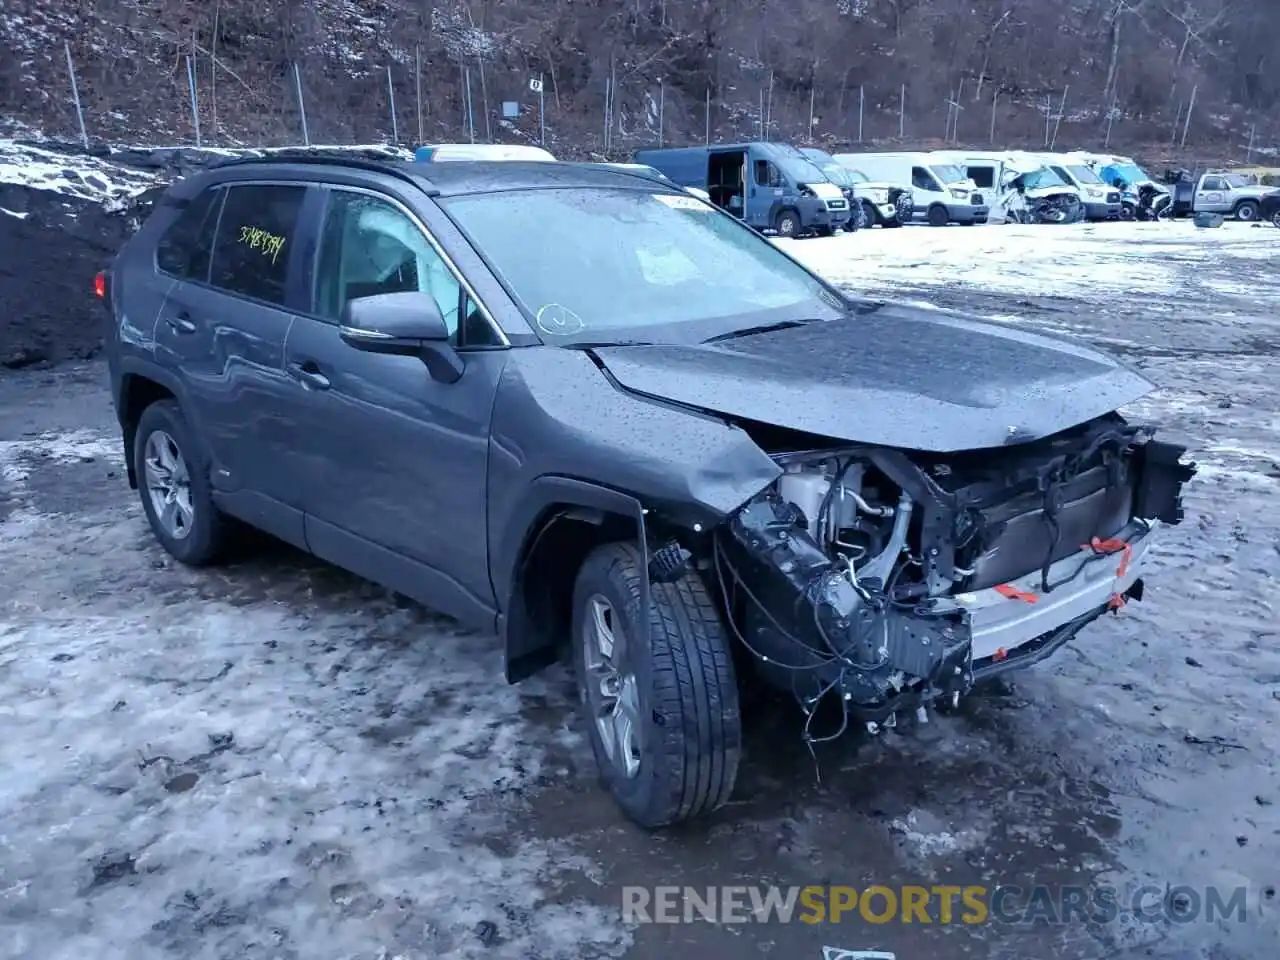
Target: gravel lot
276, 760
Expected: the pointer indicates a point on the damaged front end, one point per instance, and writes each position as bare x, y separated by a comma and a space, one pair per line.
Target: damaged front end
892, 580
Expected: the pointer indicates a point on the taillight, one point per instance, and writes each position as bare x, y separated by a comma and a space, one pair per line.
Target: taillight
100, 285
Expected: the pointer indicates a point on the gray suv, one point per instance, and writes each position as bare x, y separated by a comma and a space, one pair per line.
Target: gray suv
582, 409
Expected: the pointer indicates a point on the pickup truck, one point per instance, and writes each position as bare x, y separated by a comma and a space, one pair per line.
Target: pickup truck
1230, 194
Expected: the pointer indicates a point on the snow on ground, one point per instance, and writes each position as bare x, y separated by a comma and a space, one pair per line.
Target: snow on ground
87, 178
112, 178
1075, 261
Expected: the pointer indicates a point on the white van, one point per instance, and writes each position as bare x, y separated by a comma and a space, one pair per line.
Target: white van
1025, 186
441, 152
1102, 201
943, 192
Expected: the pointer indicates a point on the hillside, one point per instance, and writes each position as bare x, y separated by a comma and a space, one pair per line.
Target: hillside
619, 73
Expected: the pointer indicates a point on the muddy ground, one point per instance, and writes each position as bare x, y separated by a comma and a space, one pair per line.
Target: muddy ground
275, 760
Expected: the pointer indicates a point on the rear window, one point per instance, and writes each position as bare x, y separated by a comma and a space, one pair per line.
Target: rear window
255, 238
185, 248
632, 259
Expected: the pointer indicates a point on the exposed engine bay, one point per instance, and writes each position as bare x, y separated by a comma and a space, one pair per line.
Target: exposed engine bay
891, 580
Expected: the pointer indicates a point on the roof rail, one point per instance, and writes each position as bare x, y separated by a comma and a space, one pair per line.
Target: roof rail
303, 156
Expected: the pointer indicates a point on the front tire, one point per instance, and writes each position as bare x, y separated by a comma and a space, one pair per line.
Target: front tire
1247, 211
173, 483
938, 216
660, 696
787, 223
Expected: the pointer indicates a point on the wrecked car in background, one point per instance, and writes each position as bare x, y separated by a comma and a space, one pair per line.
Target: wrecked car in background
875, 203
660, 448
1026, 188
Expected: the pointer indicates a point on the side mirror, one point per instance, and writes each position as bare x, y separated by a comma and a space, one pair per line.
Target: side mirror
404, 325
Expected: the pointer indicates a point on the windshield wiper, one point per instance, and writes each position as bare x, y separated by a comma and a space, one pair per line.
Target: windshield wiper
763, 328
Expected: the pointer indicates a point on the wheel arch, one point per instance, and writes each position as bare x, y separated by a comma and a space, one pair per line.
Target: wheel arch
556, 524
140, 386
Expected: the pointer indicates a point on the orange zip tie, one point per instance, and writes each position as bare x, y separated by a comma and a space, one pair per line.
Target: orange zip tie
1113, 545
1125, 549
1010, 592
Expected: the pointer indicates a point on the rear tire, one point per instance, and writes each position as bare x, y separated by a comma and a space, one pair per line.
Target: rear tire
938, 216
675, 753
173, 484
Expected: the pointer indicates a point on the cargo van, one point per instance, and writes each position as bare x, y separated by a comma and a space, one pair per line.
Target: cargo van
770, 186
943, 192
441, 152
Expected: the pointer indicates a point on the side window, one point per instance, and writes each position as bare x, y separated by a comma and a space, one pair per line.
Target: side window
982, 176
921, 179
255, 238
369, 246
1213, 183
186, 247
767, 174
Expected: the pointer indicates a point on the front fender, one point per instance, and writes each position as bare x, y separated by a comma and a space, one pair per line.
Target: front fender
560, 425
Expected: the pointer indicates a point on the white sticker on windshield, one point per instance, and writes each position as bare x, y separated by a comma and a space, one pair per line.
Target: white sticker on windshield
680, 201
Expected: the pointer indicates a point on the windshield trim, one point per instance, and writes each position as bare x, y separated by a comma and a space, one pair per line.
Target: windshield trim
442, 204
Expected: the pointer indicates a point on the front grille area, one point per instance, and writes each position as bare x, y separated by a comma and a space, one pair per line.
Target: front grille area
1113, 197
977, 200
837, 204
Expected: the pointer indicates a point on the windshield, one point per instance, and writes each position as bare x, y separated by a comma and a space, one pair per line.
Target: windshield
1239, 180
631, 260
1083, 174
1044, 177
1129, 173
949, 173
841, 176
796, 165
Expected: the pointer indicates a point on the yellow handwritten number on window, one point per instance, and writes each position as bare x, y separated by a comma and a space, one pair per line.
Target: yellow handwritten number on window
268, 243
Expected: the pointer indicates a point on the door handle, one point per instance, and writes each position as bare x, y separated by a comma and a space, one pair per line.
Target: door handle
181, 322
309, 375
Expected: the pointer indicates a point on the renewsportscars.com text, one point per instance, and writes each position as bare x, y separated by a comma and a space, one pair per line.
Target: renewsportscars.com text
934, 904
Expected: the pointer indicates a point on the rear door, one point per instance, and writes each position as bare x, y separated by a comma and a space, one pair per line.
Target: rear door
224, 327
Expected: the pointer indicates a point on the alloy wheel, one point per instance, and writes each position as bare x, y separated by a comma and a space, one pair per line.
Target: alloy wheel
611, 688
168, 482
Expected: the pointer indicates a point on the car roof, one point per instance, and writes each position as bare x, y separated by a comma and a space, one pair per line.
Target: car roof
438, 179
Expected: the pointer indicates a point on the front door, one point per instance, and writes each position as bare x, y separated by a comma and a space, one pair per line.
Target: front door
399, 461
1212, 195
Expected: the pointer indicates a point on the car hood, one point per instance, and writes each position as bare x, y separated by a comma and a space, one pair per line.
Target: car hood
888, 375
825, 191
